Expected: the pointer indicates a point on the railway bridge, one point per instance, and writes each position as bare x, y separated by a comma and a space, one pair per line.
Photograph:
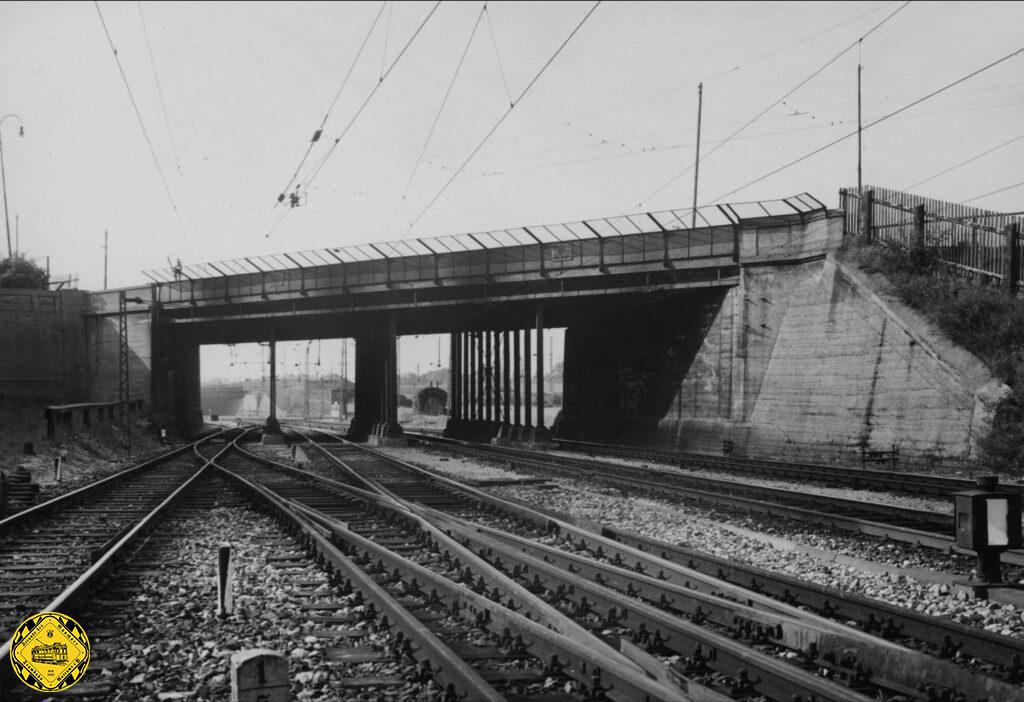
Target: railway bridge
732, 326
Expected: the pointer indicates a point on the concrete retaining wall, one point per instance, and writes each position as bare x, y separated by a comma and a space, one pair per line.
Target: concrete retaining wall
102, 339
817, 362
42, 345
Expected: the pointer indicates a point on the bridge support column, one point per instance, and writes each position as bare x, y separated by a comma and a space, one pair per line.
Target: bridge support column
389, 432
517, 399
478, 372
488, 378
272, 431
454, 383
526, 435
505, 428
368, 411
540, 432
175, 383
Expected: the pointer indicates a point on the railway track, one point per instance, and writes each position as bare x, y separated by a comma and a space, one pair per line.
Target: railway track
925, 528
832, 475
556, 611
46, 548
891, 665
444, 588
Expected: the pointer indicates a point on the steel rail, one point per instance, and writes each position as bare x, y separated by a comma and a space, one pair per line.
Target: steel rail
519, 598
886, 658
894, 666
870, 510
945, 634
911, 482
447, 665
33, 513
919, 537
578, 660
68, 601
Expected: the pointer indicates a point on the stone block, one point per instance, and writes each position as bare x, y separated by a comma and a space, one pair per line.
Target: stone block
259, 675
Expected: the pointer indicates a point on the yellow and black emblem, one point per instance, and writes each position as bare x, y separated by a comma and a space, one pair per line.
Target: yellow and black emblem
50, 651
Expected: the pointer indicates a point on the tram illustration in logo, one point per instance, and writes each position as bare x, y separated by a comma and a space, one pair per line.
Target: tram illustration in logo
50, 651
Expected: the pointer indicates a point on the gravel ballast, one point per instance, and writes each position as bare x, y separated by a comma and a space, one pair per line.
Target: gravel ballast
754, 540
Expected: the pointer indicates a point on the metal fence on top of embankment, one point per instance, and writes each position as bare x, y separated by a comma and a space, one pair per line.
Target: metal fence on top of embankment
967, 239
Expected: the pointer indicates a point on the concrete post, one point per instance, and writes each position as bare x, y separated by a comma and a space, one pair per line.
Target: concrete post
1011, 258
867, 213
472, 376
259, 675
225, 582
917, 243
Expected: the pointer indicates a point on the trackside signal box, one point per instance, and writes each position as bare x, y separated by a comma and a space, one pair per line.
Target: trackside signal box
988, 522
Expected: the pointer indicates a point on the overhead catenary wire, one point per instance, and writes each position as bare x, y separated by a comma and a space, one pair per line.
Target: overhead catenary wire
504, 115
732, 69
163, 107
142, 124
992, 192
437, 117
777, 102
320, 129
323, 160
906, 107
965, 162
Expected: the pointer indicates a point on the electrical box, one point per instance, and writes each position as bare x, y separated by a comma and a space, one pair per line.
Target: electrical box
987, 518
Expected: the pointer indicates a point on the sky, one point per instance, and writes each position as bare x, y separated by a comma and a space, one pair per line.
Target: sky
224, 98
608, 123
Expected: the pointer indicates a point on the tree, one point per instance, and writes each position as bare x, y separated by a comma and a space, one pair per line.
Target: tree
22, 272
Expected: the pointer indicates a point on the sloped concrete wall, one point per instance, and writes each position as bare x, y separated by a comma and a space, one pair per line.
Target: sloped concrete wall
817, 362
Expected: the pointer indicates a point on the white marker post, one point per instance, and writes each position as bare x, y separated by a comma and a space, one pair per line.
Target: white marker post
57, 468
225, 581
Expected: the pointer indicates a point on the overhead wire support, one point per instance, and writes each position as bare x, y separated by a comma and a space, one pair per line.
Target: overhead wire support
497, 55
323, 159
504, 115
881, 119
142, 124
437, 117
318, 132
777, 102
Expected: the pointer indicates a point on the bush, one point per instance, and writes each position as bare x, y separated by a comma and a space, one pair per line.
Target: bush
981, 318
21, 272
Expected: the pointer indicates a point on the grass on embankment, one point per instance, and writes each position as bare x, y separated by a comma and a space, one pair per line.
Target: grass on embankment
980, 318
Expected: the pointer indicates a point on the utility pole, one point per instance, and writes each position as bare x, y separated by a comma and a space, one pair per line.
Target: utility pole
3, 179
860, 184
106, 248
17, 235
696, 162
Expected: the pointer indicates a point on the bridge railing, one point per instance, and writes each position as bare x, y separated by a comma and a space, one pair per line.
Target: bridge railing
659, 238
966, 239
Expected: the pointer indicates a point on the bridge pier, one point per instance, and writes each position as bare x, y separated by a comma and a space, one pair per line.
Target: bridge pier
375, 418
272, 430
